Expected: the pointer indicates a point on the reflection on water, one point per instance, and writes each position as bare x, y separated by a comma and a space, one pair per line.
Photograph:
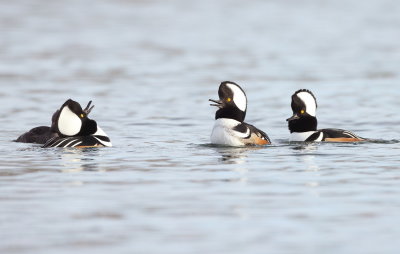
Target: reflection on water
76, 160
308, 154
236, 155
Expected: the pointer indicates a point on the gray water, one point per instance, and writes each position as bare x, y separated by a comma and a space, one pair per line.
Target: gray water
150, 68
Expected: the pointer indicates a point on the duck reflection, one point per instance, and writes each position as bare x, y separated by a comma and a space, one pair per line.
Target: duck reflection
307, 153
77, 160
234, 155
237, 156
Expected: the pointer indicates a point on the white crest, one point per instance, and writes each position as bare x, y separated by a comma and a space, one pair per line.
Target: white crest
69, 124
309, 101
239, 98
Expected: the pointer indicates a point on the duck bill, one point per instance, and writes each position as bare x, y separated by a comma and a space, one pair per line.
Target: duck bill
217, 103
88, 108
293, 117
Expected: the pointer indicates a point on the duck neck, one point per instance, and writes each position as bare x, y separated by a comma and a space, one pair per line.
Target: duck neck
231, 113
303, 124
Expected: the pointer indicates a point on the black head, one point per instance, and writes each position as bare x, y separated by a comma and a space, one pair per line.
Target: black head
72, 120
304, 107
232, 102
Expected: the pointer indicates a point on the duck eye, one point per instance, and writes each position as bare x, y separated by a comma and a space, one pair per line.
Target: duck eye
81, 115
302, 111
228, 100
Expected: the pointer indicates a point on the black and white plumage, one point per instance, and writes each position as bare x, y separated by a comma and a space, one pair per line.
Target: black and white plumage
70, 127
303, 124
37, 135
41, 134
72, 120
75, 129
230, 128
99, 139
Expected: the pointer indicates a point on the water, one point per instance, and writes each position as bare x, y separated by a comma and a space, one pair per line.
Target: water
150, 68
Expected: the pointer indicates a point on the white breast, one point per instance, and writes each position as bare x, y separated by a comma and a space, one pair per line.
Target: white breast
300, 136
223, 133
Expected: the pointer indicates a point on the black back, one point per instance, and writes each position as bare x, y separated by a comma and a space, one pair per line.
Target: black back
333, 133
38, 135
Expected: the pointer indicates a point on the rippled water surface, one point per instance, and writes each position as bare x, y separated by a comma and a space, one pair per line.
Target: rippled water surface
150, 68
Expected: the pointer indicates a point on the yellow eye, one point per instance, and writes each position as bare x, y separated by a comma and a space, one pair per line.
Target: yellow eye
228, 100
302, 111
81, 115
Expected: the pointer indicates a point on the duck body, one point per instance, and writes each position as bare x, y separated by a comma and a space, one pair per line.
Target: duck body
234, 133
37, 135
303, 124
98, 139
70, 127
327, 135
229, 127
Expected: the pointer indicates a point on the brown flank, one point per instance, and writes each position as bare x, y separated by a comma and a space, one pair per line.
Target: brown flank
256, 140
